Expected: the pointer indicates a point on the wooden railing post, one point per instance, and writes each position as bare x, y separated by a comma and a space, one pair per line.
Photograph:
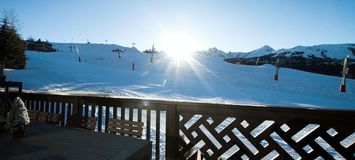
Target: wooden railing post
172, 130
76, 107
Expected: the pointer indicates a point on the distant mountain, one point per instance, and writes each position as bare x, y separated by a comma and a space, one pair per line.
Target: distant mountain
336, 51
214, 52
265, 50
324, 59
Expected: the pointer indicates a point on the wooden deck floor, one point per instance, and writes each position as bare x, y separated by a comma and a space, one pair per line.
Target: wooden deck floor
46, 141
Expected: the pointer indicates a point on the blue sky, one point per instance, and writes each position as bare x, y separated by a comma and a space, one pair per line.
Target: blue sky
230, 25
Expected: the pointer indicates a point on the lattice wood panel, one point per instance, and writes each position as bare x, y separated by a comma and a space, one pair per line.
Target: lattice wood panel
240, 137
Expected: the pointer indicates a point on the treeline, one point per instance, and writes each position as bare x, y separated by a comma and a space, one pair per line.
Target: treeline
321, 65
151, 51
12, 46
39, 45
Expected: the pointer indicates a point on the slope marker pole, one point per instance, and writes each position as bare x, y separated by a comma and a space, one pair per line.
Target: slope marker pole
344, 73
276, 77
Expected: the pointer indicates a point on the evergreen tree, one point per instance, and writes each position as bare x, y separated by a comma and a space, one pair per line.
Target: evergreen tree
12, 47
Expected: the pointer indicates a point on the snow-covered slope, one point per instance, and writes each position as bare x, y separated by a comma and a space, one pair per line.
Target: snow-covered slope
265, 50
205, 77
214, 52
259, 52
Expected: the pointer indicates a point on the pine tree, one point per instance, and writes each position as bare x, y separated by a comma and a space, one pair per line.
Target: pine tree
12, 47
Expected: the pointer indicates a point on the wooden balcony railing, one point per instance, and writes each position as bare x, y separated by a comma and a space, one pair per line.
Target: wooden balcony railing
179, 129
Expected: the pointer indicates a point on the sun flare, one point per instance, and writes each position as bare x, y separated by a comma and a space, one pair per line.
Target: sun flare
179, 47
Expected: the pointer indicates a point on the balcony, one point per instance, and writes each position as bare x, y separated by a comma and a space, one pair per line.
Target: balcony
180, 130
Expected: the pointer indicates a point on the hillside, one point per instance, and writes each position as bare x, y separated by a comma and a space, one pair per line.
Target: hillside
333, 51
205, 77
323, 59
336, 51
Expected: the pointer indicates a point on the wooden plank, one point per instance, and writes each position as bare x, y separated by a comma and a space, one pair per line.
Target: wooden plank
32, 114
24, 100
77, 109
107, 117
130, 114
63, 113
54, 118
86, 111
42, 104
335, 144
90, 123
28, 104
118, 121
148, 124
52, 107
38, 105
81, 109
114, 101
277, 110
126, 122
157, 133
139, 115
93, 110
114, 112
123, 110
68, 110
42, 117
7, 98
48, 108
99, 120
57, 107
33, 105
123, 132
45, 106
172, 129
126, 126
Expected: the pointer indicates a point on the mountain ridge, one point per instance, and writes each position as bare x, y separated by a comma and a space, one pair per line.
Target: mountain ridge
337, 51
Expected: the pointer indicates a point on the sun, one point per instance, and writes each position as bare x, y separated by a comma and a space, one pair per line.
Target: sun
178, 46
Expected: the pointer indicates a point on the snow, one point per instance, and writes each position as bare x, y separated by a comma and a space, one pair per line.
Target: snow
259, 52
205, 77
265, 50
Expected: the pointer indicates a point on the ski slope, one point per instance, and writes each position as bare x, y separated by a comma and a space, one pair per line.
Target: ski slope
204, 77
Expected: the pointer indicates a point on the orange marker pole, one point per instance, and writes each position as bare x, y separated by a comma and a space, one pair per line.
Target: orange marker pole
276, 77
